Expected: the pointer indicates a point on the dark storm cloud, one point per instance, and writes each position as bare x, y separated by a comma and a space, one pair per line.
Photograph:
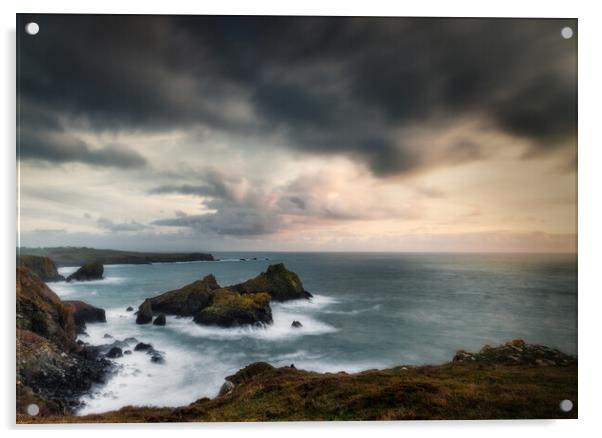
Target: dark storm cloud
350, 86
56, 148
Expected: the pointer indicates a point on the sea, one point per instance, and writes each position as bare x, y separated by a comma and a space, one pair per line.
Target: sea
369, 311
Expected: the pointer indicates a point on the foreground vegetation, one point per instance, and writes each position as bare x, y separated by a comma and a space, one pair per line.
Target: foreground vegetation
510, 382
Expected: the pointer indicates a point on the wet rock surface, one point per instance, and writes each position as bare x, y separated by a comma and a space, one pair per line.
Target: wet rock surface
83, 313
88, 272
53, 370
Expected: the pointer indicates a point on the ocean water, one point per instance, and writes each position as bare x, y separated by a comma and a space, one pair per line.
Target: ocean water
368, 311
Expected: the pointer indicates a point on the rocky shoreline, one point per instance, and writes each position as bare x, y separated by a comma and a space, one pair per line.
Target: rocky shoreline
513, 381
53, 370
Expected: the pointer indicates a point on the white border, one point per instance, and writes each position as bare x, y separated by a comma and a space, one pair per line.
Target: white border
590, 216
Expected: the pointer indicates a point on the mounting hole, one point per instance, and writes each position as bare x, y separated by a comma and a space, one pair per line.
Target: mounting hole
33, 409
567, 33
566, 406
32, 28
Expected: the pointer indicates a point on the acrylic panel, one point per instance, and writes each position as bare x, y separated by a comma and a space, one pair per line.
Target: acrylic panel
285, 218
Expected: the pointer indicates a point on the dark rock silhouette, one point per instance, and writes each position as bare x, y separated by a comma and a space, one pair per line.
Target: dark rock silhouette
89, 271
160, 319
145, 313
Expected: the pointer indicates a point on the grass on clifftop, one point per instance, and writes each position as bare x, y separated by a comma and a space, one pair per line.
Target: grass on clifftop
450, 391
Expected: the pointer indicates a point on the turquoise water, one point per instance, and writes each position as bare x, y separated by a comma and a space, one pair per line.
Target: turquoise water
369, 311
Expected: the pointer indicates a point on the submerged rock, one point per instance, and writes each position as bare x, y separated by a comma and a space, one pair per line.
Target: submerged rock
129, 309
160, 319
231, 309
156, 356
43, 267
141, 346
145, 313
280, 283
89, 271
114, 353
296, 324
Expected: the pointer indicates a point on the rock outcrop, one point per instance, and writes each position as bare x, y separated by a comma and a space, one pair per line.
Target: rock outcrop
208, 303
231, 309
516, 352
279, 282
296, 324
186, 301
89, 271
84, 312
43, 267
160, 319
53, 370
145, 313
41, 311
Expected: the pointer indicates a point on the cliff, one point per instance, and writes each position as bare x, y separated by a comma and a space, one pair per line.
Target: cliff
53, 371
77, 256
43, 267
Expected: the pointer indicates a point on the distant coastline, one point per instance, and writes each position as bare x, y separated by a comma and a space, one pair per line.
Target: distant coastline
76, 256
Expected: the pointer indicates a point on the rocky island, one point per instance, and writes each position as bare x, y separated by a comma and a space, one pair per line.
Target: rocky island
88, 272
245, 303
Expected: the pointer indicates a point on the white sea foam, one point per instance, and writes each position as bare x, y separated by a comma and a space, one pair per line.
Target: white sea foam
279, 330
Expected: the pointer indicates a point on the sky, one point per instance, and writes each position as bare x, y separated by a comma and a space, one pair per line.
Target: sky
181, 133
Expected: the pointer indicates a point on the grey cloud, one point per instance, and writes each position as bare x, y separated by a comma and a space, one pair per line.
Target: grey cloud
55, 146
110, 225
328, 85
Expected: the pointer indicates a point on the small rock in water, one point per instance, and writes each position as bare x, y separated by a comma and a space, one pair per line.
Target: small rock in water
114, 353
141, 346
129, 309
145, 313
107, 336
127, 352
160, 319
157, 357
296, 324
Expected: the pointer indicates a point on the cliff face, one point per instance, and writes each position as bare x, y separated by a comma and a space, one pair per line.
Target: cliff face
43, 267
73, 256
53, 371
41, 311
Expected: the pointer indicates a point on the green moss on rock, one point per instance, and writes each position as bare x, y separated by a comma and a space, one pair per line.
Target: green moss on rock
278, 281
229, 309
